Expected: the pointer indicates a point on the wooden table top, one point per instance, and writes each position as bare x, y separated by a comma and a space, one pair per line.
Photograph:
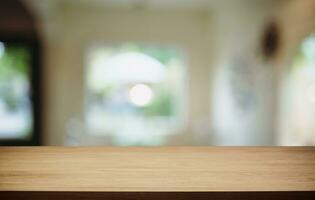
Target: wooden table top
157, 169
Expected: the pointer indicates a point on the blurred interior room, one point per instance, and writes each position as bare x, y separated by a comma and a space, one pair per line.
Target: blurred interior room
157, 72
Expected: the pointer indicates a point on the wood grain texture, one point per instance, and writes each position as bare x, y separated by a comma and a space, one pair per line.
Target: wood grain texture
157, 169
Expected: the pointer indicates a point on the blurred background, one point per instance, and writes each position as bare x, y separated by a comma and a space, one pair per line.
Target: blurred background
157, 72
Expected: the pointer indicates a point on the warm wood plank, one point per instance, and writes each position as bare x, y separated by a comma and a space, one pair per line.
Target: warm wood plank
157, 169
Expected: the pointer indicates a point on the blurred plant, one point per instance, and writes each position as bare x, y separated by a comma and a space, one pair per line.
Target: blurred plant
14, 62
161, 105
13, 67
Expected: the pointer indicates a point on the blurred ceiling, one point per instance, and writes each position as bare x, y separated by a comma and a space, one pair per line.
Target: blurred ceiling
46, 8
194, 5
160, 4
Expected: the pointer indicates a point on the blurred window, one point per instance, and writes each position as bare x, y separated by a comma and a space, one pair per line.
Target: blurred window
16, 112
298, 100
135, 94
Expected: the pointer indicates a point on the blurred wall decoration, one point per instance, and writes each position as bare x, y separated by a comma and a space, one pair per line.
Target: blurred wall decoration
271, 40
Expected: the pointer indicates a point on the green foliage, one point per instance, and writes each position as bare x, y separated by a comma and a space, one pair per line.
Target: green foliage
11, 101
13, 64
14, 61
161, 105
164, 55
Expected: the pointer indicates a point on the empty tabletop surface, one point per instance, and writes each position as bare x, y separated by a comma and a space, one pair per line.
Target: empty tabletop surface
106, 169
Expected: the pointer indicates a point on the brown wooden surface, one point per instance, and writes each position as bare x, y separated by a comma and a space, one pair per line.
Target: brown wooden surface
157, 169
157, 195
